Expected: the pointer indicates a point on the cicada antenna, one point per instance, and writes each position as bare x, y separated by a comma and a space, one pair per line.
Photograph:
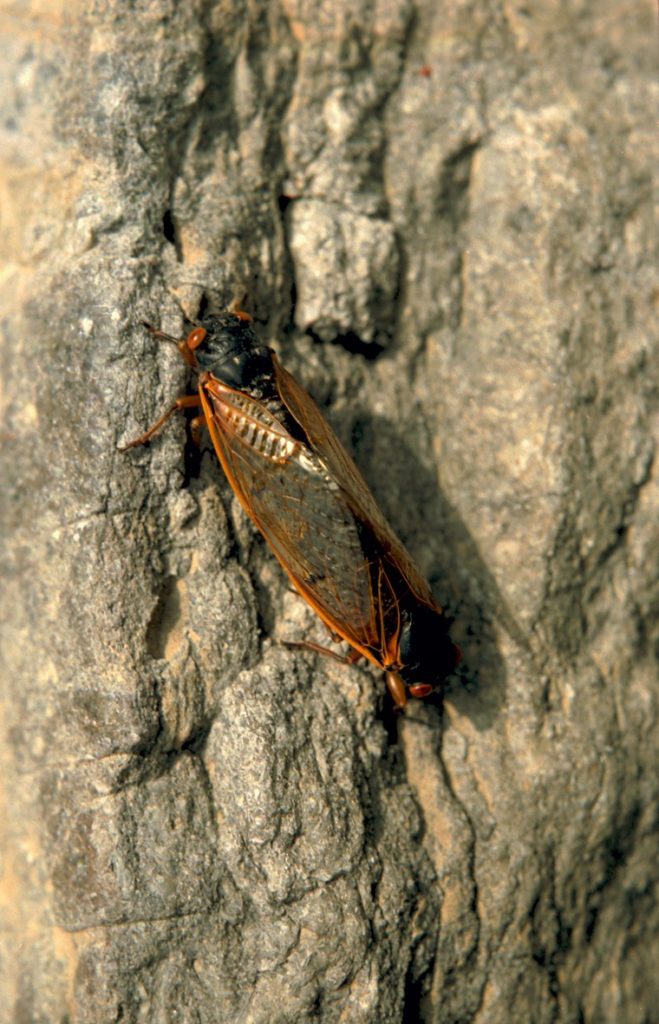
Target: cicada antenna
237, 307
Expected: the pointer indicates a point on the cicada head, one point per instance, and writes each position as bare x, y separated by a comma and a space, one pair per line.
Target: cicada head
426, 653
226, 346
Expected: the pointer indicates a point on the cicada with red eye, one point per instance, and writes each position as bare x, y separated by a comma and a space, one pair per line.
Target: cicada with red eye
302, 490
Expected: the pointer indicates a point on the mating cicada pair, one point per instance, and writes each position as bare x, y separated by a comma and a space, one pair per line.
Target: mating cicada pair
303, 491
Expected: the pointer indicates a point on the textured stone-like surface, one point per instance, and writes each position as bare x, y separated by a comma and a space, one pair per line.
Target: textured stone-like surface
441, 216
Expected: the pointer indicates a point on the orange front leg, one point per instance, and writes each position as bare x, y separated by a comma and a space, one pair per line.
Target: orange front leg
345, 659
186, 402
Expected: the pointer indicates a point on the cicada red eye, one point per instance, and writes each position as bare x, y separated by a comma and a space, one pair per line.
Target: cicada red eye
196, 337
420, 690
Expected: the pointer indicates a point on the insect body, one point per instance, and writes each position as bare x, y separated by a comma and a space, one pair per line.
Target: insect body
304, 493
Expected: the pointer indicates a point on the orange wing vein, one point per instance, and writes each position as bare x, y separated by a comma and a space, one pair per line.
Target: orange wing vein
300, 510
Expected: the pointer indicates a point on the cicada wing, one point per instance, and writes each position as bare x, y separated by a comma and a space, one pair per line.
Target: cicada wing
302, 515
342, 469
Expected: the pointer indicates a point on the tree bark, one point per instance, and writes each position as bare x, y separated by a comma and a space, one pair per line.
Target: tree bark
441, 217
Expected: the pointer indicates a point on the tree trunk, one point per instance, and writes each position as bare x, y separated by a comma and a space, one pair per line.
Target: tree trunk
440, 216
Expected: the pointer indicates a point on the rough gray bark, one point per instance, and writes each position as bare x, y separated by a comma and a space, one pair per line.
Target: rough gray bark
441, 215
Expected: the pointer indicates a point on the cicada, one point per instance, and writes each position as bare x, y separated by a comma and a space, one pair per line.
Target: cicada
302, 490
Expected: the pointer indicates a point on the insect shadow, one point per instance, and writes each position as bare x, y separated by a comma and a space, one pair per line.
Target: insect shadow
436, 536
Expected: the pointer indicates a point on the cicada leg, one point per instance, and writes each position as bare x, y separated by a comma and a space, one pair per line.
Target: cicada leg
345, 659
186, 402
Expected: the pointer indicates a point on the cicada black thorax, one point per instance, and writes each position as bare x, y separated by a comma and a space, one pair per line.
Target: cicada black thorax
249, 394
233, 354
